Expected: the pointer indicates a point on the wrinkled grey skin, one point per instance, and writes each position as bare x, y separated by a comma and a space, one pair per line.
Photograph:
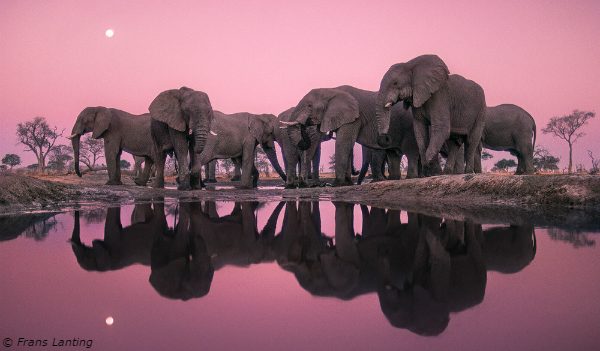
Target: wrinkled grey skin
376, 159
443, 106
236, 136
510, 128
180, 122
350, 113
298, 162
121, 131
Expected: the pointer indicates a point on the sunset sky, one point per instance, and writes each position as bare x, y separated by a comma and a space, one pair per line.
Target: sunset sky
263, 56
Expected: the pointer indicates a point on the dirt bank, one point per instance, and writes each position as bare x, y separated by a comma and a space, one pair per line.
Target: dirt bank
439, 194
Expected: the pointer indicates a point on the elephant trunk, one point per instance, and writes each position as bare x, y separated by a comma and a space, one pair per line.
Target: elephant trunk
201, 130
298, 136
272, 156
382, 117
76, 141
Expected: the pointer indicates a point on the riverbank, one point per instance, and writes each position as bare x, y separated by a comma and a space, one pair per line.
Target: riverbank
442, 193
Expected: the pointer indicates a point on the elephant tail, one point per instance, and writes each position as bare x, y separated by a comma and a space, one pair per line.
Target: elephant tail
534, 133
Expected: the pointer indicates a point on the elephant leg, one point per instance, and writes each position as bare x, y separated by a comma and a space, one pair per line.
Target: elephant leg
112, 155
248, 165
180, 145
145, 175
453, 150
473, 141
459, 163
160, 157
344, 145
316, 162
376, 162
366, 156
394, 157
237, 169
525, 149
291, 161
477, 160
422, 137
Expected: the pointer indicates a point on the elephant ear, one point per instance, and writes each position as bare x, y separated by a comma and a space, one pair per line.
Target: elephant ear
341, 109
166, 108
261, 128
429, 72
101, 122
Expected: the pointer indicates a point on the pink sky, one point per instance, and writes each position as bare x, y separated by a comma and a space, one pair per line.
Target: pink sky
263, 56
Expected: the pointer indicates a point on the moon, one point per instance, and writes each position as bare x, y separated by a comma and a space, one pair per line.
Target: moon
109, 320
109, 33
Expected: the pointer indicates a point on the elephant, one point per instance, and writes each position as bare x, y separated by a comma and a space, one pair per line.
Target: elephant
350, 113
510, 128
236, 136
180, 122
443, 106
121, 246
120, 131
376, 159
298, 162
181, 267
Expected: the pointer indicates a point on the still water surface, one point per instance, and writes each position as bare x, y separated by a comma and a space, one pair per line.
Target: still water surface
295, 276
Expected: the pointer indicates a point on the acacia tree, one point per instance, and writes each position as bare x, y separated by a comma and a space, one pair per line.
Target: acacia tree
11, 160
504, 165
39, 138
227, 165
60, 156
262, 162
595, 163
331, 163
566, 128
542, 160
91, 151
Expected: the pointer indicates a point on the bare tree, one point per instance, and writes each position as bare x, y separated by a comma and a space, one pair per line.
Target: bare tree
39, 138
595, 163
91, 151
60, 157
566, 128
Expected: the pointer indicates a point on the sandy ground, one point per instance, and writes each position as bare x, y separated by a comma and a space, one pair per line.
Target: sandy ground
491, 197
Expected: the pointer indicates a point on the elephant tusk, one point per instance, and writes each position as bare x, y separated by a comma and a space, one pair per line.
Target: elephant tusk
283, 127
292, 123
190, 132
213, 133
72, 136
388, 105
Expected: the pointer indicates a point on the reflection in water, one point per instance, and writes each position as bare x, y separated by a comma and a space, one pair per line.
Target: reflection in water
36, 226
422, 268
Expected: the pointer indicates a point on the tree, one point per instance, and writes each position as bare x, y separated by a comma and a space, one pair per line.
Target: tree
124, 164
543, 161
566, 128
262, 162
486, 155
11, 160
39, 138
331, 163
90, 151
504, 165
227, 165
60, 156
595, 163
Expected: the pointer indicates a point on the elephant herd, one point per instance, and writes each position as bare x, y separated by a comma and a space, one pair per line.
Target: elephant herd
439, 114
422, 268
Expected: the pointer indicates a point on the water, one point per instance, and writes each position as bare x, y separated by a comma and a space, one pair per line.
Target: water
297, 276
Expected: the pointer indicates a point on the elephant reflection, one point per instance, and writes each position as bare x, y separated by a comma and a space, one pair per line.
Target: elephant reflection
182, 258
421, 270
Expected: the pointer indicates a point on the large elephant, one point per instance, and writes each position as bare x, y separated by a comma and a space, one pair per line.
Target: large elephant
121, 131
510, 128
180, 122
350, 113
299, 163
236, 136
444, 106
